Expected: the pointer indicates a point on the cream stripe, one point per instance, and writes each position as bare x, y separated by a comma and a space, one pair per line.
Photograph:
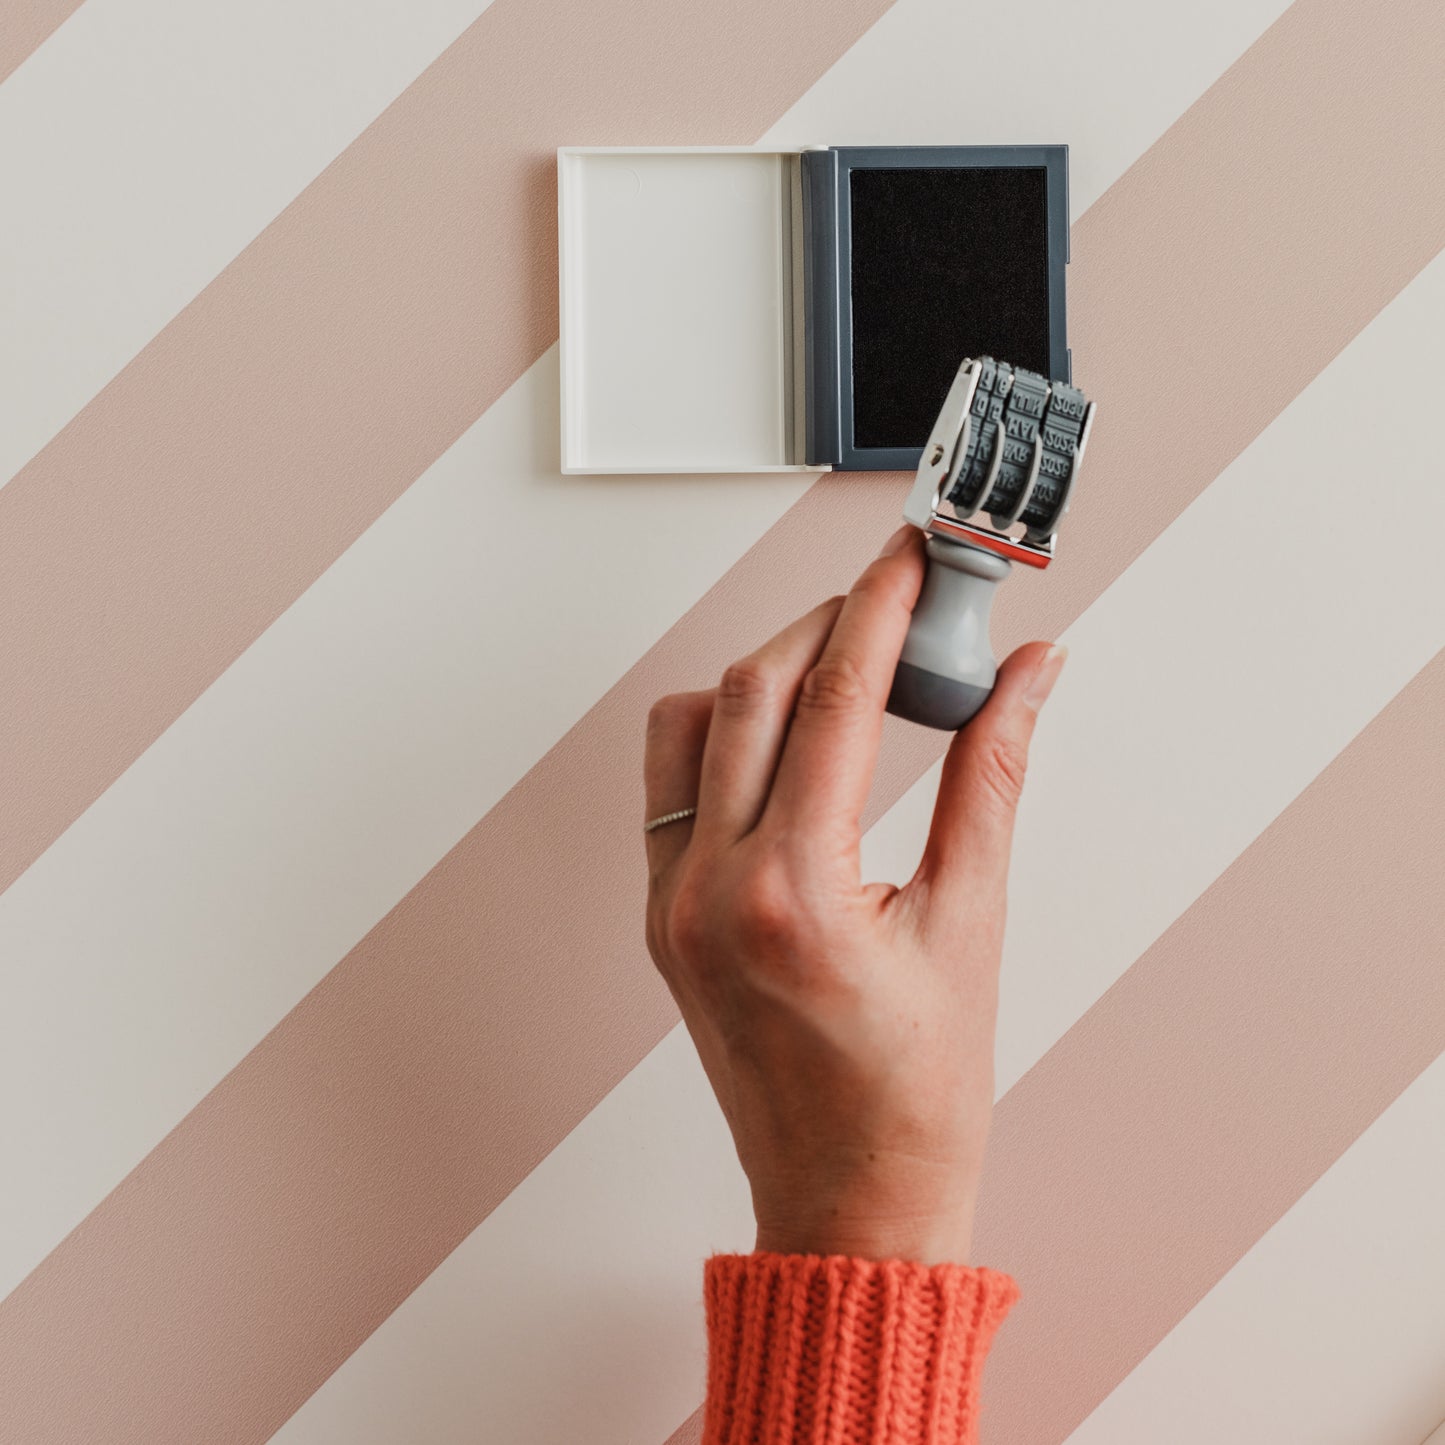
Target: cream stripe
1332, 1328
516, 1265
1194, 1104
217, 895
589, 1272
1108, 78
146, 144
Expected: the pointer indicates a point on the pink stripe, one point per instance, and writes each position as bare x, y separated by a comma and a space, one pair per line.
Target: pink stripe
384, 1118
689, 1432
26, 24
1224, 1073
312, 382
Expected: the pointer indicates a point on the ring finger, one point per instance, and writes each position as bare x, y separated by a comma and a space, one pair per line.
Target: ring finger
677, 730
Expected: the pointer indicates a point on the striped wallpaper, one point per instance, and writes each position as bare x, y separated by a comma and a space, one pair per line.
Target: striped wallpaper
326, 1116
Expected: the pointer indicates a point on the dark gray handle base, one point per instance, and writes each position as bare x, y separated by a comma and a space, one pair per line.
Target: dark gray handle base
947, 669
934, 701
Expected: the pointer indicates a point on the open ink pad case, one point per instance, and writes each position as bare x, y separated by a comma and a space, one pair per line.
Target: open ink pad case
741, 310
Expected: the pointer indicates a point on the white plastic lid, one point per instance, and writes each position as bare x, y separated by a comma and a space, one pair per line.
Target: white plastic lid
678, 310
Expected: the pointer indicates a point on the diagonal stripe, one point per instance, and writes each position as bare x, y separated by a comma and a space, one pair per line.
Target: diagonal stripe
1330, 1329
146, 144
1205, 686
205, 1200
25, 25
244, 1207
139, 584
531, 1294
341, 353
595, 1257
118, 217
1222, 1075
1230, 1068
216, 897
689, 1432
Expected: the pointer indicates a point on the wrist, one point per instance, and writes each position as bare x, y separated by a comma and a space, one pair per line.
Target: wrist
925, 1241
914, 1209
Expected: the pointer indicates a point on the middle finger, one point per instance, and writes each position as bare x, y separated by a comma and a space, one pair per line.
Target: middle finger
749, 723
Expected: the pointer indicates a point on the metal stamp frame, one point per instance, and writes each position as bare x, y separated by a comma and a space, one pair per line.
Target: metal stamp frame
942, 460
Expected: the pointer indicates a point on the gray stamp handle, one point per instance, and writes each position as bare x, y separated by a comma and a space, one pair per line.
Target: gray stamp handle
947, 667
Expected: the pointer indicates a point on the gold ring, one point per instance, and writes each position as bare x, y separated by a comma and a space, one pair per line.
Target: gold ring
667, 818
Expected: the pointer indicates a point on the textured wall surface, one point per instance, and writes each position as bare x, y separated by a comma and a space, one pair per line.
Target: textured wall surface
338, 1102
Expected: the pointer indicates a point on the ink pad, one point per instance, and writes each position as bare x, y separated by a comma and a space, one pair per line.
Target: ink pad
732, 309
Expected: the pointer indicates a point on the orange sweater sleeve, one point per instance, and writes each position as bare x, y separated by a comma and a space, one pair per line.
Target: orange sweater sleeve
807, 1349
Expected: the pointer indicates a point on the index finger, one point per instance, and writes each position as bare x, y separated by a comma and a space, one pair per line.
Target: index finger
832, 748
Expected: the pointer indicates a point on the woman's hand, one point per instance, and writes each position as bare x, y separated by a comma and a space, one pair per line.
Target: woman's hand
847, 1029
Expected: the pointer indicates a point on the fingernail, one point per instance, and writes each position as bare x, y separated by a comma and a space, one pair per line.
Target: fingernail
1045, 676
898, 540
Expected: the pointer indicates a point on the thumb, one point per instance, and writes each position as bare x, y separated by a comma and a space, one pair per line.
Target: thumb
983, 775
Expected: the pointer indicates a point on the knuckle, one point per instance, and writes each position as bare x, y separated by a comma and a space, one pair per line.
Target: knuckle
1003, 762
688, 922
766, 907
745, 685
665, 714
874, 581
881, 585
656, 946
834, 685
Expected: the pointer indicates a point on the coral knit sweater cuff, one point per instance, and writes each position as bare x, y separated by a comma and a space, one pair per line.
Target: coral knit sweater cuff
807, 1349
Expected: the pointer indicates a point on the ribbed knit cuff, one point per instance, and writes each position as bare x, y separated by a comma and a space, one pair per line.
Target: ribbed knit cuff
808, 1348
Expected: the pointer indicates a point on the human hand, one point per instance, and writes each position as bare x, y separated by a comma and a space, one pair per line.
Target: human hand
847, 1029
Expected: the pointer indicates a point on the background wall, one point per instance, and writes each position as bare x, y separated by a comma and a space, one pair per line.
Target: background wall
338, 1102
